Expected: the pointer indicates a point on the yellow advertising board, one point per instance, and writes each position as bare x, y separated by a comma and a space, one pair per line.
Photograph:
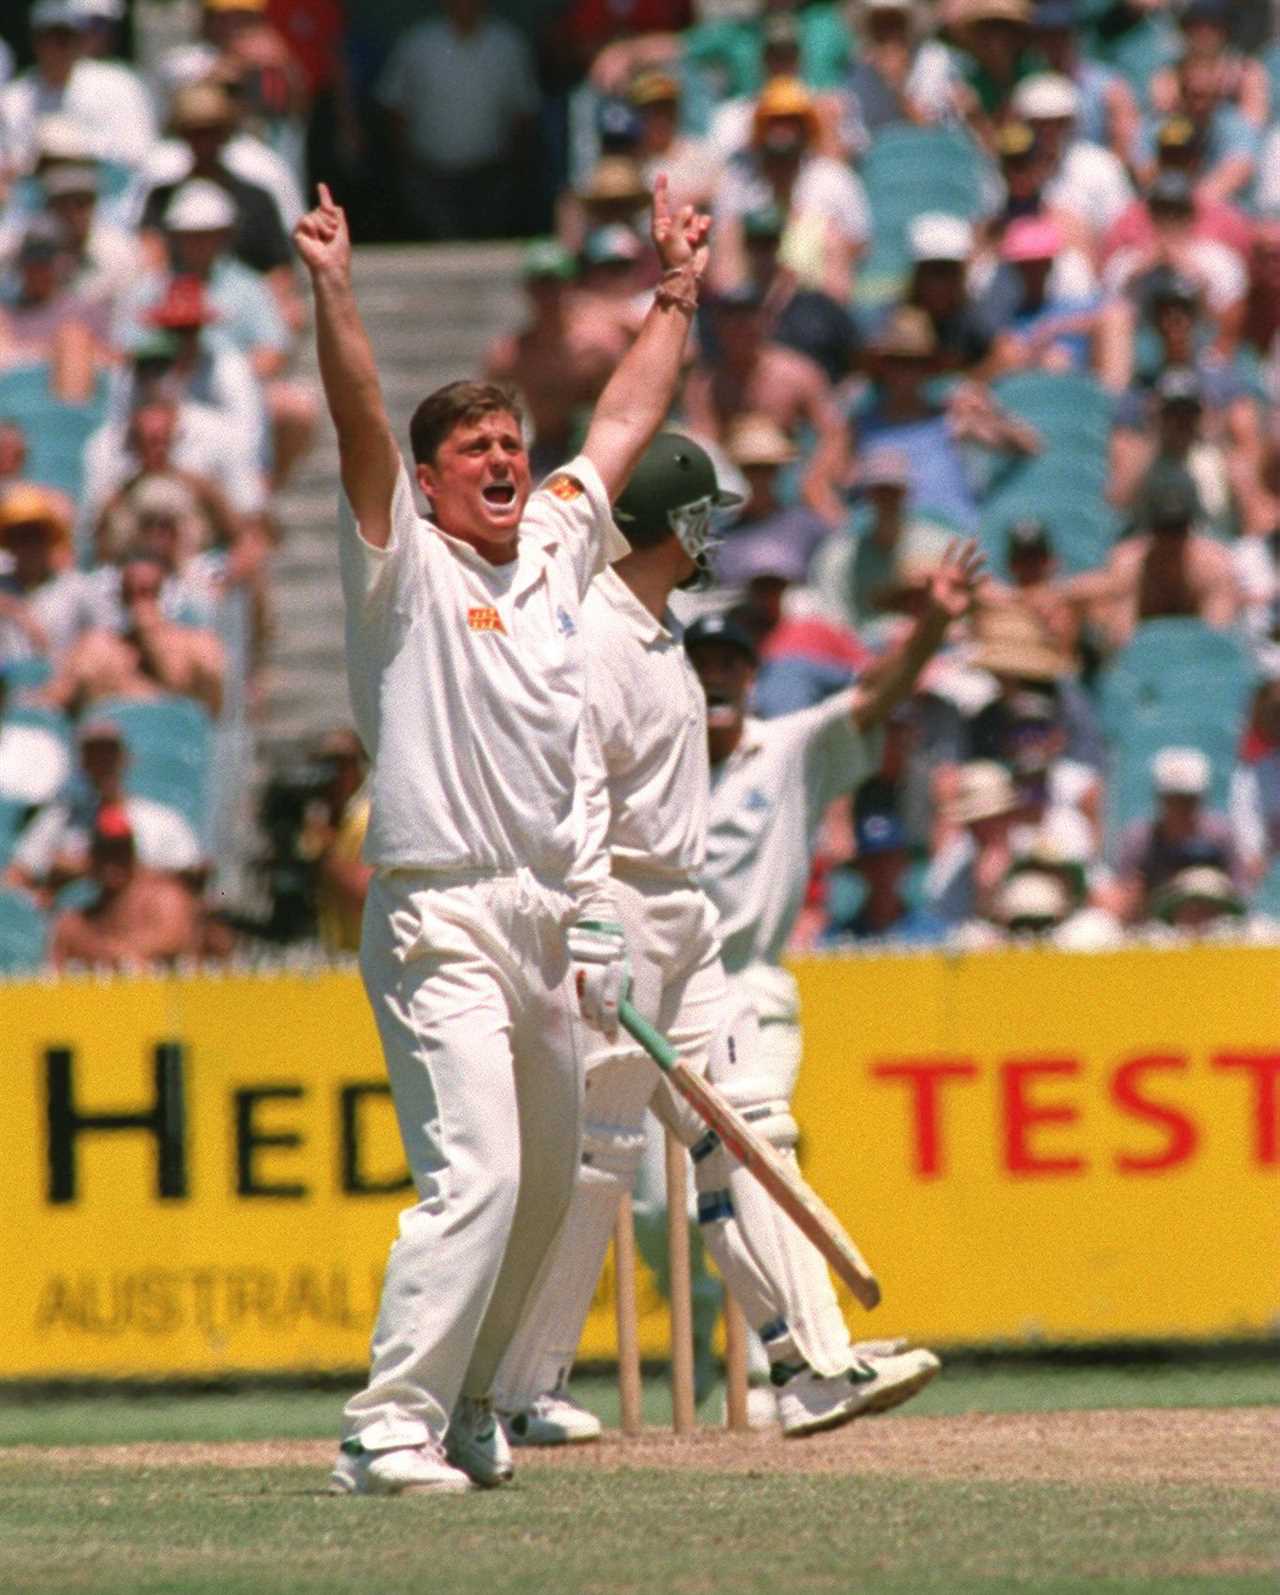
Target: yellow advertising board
201, 1175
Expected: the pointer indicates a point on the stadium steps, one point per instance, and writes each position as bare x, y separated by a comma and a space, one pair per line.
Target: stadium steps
430, 314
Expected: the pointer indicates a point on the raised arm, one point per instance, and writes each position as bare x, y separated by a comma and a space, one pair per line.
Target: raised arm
950, 594
367, 449
638, 395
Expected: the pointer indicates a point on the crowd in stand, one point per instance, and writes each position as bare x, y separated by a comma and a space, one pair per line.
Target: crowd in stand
996, 268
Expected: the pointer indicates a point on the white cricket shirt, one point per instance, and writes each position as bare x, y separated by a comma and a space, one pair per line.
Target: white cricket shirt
767, 802
468, 679
648, 718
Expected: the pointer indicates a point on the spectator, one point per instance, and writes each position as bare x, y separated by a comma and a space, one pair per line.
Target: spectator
1164, 568
1024, 171
166, 518
777, 51
1181, 834
747, 373
45, 322
557, 362
316, 32
1180, 149
1035, 305
827, 220
151, 656
613, 195
53, 848
941, 247
804, 319
900, 73
1255, 784
103, 260
203, 117
141, 920
334, 837
1241, 83
462, 94
45, 606
1064, 847
765, 526
1229, 140
1087, 182
198, 226
865, 899
1199, 899
692, 165
104, 100
610, 300
33, 757
260, 68
994, 54
1108, 113
968, 869
1033, 584
1178, 440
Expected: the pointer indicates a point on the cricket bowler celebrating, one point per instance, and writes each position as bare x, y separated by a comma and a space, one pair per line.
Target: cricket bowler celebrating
466, 670
647, 714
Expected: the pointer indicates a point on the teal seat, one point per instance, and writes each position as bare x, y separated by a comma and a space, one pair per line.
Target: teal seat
906, 172
25, 675
13, 815
56, 432
24, 932
1069, 410
1178, 683
170, 742
1266, 899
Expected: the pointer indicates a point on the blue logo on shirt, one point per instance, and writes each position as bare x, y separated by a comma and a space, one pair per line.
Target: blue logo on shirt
565, 622
755, 801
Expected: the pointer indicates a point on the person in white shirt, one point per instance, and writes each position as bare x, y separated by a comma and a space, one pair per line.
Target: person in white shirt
1086, 181
105, 99
650, 793
467, 674
462, 91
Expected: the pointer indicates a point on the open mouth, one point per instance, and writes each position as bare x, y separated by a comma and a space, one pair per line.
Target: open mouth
499, 495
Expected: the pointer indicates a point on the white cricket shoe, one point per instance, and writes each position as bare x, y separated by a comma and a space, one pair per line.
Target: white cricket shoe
809, 1403
402, 1470
475, 1443
551, 1419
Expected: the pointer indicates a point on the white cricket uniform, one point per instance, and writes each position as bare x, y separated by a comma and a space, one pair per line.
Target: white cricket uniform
767, 802
467, 681
650, 796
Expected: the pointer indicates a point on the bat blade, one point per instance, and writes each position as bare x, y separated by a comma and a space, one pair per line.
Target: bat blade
781, 1179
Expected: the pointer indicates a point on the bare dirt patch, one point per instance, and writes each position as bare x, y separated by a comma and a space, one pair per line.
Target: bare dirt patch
1236, 1446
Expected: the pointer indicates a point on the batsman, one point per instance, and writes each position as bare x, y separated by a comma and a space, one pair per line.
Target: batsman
648, 794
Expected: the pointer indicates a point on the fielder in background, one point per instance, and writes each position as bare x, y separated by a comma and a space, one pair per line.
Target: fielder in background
647, 715
467, 679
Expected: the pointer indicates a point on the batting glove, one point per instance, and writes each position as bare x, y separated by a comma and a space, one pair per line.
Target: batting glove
601, 972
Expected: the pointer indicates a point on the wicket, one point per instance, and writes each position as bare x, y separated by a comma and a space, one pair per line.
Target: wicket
683, 1414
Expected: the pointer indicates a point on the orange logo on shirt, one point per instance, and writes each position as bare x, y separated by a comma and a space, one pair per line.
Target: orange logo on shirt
565, 486
485, 618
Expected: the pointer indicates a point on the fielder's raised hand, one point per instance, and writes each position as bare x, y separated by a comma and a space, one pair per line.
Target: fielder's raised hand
956, 581
322, 239
681, 240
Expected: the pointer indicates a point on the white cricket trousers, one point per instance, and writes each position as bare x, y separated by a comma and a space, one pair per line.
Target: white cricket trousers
468, 977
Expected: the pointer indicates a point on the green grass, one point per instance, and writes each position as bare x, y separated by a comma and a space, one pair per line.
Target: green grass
304, 1414
209, 1532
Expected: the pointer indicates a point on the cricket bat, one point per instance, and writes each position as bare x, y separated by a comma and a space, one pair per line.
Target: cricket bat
782, 1180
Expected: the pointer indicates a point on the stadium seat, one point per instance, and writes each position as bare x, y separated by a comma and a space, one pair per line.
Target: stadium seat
907, 171
25, 675
1070, 411
24, 932
1178, 683
56, 432
170, 743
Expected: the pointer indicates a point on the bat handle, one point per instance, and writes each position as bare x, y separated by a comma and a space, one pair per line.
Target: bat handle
653, 1041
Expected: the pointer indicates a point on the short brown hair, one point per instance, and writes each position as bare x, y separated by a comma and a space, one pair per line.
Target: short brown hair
456, 404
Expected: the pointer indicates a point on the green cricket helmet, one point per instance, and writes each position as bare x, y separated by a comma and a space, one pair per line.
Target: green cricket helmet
672, 493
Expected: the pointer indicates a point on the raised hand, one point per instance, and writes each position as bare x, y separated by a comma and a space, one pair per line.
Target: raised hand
956, 580
680, 240
321, 237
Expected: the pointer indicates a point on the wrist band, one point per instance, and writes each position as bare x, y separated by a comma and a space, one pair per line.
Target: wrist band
669, 295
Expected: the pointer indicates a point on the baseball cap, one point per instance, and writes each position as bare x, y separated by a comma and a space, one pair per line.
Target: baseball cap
875, 834
57, 14
766, 221
1032, 238
784, 96
1031, 899
937, 236
546, 257
200, 206
723, 628
611, 246
152, 345
29, 505
617, 124
1028, 536
654, 88
1181, 771
1177, 135
1046, 97
885, 467
1180, 385
1169, 287
112, 824
1015, 141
